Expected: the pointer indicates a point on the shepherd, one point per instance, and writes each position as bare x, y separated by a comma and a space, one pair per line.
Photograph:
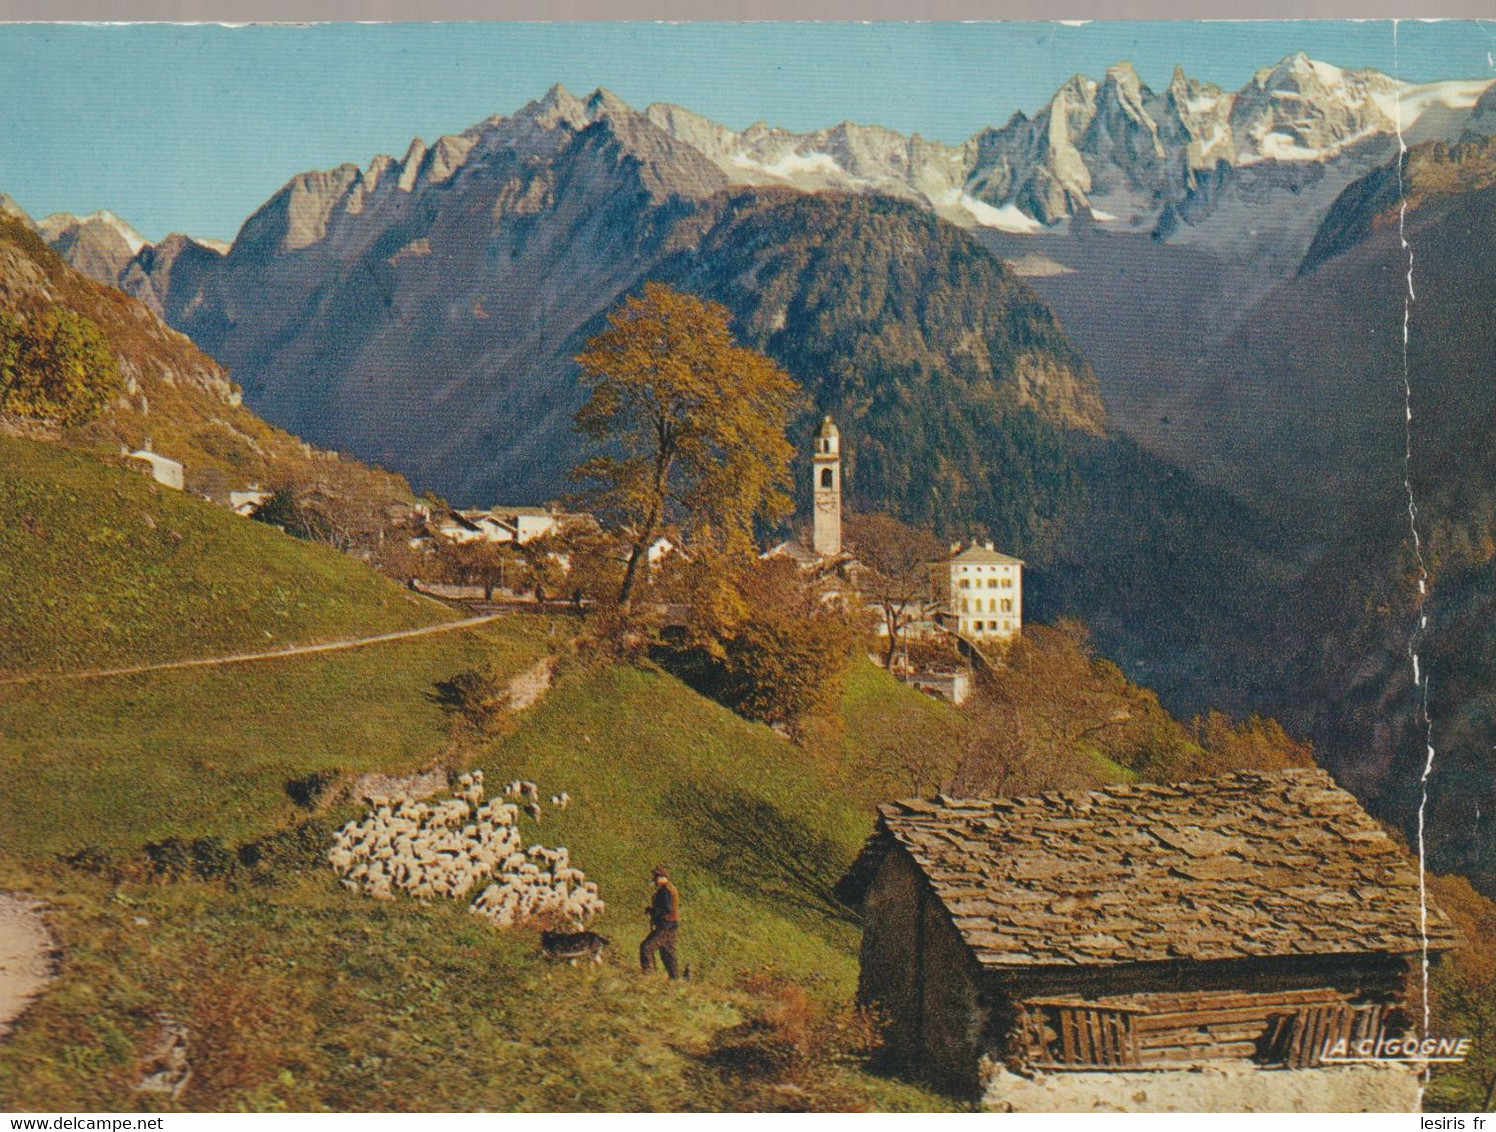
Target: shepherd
664, 919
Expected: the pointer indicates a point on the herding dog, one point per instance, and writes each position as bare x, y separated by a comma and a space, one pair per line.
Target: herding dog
573, 945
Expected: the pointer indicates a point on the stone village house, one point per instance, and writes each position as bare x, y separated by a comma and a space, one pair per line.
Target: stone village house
164, 470
1232, 925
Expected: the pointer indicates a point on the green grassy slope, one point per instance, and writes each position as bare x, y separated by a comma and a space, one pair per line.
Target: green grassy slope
103, 567
305, 996
121, 761
883, 719
752, 833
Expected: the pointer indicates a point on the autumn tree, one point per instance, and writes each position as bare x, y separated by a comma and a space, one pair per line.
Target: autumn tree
335, 503
780, 660
594, 560
1256, 743
479, 562
691, 426
403, 556
1054, 714
897, 574
56, 367
542, 573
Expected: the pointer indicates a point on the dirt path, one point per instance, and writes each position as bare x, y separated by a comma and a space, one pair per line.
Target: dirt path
26, 951
244, 658
530, 685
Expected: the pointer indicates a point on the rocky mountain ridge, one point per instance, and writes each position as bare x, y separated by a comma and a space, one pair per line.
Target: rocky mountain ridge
424, 312
175, 397
1118, 203
1112, 149
1185, 164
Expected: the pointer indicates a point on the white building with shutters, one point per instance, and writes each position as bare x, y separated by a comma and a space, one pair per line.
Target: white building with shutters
979, 592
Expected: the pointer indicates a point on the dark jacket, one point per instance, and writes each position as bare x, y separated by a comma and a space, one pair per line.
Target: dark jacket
664, 909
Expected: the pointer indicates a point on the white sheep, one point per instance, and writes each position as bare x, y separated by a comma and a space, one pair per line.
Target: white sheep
455, 846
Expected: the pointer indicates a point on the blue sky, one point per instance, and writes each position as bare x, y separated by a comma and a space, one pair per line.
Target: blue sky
190, 128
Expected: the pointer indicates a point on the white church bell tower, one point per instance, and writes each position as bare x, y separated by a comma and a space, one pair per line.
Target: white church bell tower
826, 468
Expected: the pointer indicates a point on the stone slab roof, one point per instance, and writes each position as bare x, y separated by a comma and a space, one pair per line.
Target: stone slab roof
1246, 865
982, 556
795, 550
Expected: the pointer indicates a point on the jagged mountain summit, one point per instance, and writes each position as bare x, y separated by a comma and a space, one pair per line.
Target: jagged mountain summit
1113, 150
100, 244
423, 310
1192, 163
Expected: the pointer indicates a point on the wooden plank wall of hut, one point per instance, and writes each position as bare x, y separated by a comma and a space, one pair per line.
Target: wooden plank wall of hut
1286, 1027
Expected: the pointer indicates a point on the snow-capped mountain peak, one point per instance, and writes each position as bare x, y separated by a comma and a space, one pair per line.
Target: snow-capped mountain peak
60, 223
1113, 149
1189, 163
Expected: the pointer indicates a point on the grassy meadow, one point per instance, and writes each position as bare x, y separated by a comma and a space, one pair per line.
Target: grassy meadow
175, 823
304, 995
104, 567
198, 752
163, 819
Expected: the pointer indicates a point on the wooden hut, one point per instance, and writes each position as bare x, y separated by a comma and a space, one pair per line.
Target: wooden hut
1250, 918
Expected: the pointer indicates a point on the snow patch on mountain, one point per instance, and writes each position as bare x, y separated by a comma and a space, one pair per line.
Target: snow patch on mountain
131, 237
59, 223
1006, 218
1036, 266
792, 165
1328, 73
1413, 101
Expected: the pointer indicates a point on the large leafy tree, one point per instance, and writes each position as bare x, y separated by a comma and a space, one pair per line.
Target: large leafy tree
55, 366
480, 563
692, 429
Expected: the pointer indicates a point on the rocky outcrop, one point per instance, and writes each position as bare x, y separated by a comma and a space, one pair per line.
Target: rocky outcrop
167, 1068
174, 278
174, 393
13, 211
1482, 122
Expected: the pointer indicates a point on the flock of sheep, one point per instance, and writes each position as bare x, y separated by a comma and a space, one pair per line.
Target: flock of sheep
447, 848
